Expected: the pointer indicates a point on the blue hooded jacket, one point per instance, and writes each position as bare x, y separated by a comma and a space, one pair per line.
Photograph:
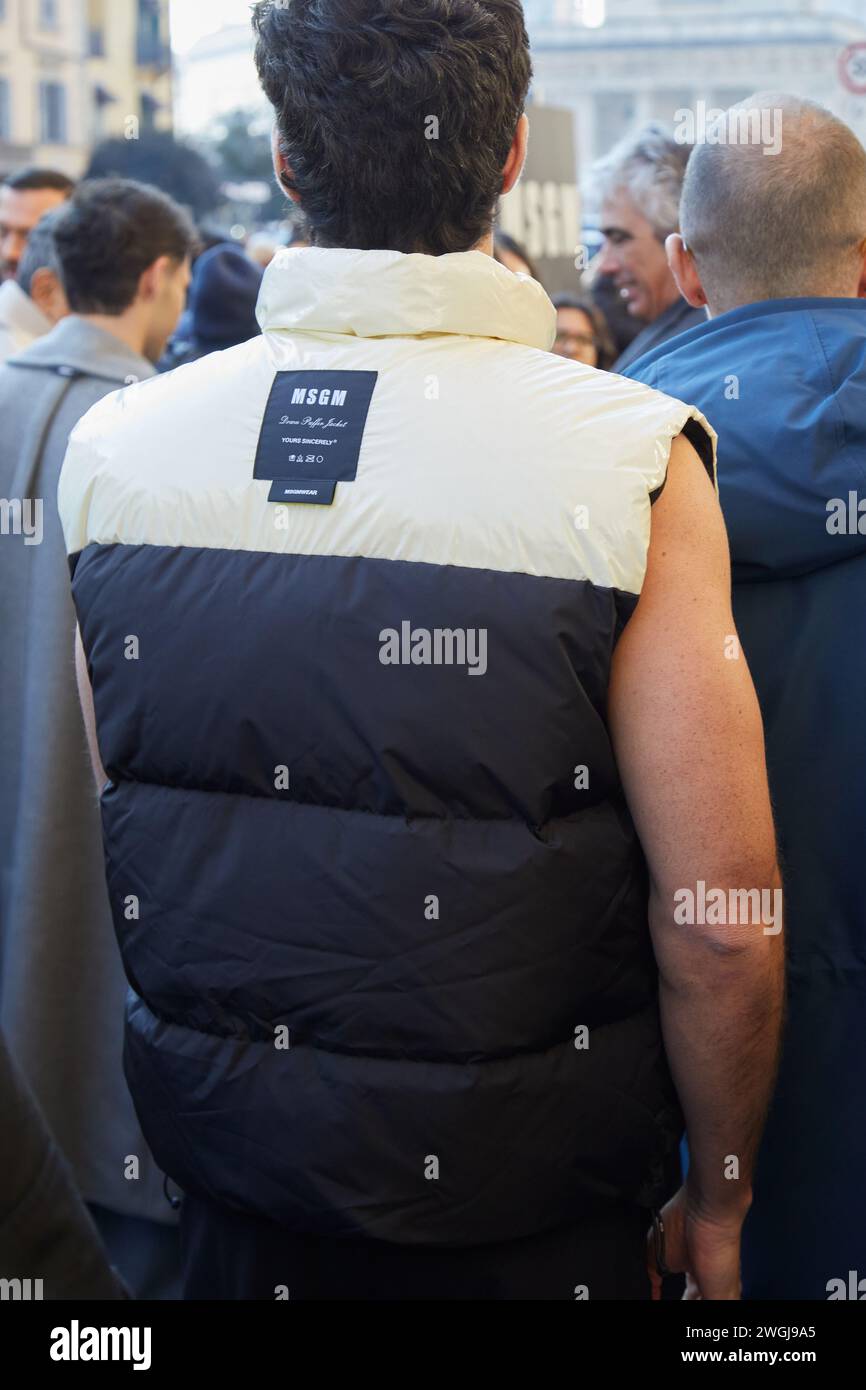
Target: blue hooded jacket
784, 384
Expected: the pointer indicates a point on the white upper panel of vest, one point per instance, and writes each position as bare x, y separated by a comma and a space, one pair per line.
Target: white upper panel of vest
480, 449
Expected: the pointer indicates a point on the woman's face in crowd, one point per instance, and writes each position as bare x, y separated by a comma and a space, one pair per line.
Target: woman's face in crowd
575, 337
514, 263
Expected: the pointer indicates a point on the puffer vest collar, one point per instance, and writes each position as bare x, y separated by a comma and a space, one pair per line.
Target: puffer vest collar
373, 294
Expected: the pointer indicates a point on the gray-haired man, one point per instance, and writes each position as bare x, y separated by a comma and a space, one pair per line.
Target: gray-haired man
639, 184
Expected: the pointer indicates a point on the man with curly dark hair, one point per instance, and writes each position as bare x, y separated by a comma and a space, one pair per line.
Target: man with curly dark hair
415, 155
432, 629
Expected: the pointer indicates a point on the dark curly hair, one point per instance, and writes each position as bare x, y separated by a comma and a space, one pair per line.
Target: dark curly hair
395, 118
107, 236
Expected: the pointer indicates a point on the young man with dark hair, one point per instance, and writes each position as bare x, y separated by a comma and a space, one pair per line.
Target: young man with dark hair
123, 252
24, 198
432, 632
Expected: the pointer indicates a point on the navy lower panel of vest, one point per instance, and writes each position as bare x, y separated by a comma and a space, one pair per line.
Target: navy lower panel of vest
390, 869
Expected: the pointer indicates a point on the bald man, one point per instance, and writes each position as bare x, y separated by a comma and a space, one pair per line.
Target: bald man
772, 245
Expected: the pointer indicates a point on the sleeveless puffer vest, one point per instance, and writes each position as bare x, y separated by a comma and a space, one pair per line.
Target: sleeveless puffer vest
375, 884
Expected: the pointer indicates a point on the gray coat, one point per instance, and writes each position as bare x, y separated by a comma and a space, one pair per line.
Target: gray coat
62, 986
45, 1230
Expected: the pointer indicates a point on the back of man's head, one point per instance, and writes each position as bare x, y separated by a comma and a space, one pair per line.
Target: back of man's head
109, 234
776, 209
395, 120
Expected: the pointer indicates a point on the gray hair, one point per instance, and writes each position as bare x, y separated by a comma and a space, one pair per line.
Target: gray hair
649, 166
40, 253
778, 225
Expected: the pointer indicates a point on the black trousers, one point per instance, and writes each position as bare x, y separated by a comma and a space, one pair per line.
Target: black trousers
227, 1255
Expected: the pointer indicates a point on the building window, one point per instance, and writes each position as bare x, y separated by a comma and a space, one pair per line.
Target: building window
102, 99
149, 108
52, 113
48, 14
5, 111
96, 19
151, 48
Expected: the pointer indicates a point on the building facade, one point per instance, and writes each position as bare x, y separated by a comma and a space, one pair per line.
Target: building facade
621, 63
129, 66
75, 71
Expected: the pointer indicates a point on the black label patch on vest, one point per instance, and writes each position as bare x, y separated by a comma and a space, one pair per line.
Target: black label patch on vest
319, 493
313, 427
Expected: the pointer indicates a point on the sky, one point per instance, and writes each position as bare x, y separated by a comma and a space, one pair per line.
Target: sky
193, 19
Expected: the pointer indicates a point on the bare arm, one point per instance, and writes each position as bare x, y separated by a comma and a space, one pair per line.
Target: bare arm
85, 695
689, 741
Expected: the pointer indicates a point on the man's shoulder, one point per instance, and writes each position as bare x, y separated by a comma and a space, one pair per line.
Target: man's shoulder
625, 399
18, 379
152, 408
630, 420
762, 333
589, 388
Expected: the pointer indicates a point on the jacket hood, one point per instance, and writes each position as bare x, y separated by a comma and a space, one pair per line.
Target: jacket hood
784, 384
373, 294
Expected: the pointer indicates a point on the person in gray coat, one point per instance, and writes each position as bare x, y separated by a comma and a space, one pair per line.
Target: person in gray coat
124, 253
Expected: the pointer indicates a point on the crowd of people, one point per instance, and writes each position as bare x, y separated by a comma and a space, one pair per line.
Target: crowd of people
414, 1008
628, 302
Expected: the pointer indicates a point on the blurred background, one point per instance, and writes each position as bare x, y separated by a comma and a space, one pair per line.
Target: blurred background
166, 91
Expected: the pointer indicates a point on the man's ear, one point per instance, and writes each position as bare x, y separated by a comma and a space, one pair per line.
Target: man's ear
153, 278
861, 288
48, 294
684, 271
516, 155
281, 167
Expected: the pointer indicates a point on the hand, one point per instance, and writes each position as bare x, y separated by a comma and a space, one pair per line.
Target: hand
704, 1247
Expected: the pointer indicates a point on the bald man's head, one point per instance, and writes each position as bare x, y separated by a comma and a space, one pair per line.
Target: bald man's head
777, 225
